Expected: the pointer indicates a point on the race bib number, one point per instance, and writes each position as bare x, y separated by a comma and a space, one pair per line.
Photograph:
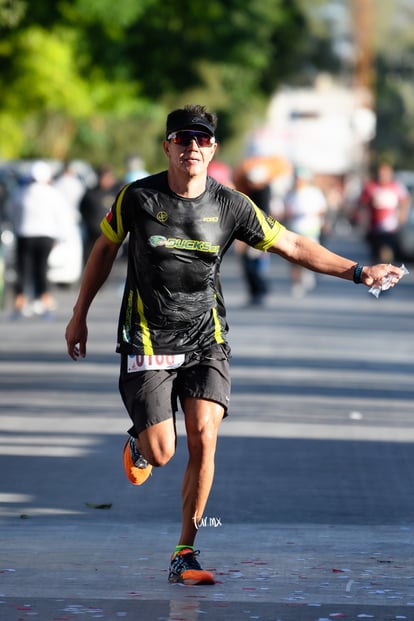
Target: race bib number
154, 362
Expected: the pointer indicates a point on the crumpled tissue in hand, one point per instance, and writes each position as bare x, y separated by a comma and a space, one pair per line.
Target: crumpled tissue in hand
386, 283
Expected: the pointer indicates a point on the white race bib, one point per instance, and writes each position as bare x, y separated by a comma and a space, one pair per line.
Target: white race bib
154, 362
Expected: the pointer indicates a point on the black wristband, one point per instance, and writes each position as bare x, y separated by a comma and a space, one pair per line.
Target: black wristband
357, 274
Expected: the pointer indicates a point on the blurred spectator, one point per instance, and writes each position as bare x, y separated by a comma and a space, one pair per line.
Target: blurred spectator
66, 258
305, 211
256, 263
256, 176
38, 214
387, 204
221, 172
135, 169
95, 203
255, 181
71, 187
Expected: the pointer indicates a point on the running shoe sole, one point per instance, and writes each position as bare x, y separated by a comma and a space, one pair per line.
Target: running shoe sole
193, 577
136, 476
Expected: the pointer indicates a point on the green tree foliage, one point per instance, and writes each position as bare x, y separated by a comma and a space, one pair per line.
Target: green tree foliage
394, 86
11, 12
95, 77
395, 110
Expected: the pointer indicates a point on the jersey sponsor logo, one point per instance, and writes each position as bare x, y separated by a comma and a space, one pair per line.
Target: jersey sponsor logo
192, 244
157, 240
210, 219
162, 216
183, 244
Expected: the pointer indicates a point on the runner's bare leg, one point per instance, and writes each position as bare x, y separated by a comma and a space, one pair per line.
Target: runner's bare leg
202, 421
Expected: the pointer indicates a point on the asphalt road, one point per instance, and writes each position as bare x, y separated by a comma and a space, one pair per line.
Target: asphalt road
311, 515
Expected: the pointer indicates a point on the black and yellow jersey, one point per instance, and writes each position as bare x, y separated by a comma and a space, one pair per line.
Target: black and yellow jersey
172, 301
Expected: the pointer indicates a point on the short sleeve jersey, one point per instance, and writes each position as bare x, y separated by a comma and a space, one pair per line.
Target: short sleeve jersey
172, 301
383, 201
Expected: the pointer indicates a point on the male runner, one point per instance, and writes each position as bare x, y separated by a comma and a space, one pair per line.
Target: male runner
172, 332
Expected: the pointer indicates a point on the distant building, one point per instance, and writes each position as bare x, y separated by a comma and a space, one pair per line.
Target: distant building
325, 128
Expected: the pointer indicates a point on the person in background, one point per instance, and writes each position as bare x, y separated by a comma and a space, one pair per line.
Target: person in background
172, 329
221, 172
67, 259
38, 213
135, 169
72, 188
386, 204
305, 209
255, 183
94, 204
255, 263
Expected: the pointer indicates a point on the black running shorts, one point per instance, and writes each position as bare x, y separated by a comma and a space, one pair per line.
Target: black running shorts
151, 397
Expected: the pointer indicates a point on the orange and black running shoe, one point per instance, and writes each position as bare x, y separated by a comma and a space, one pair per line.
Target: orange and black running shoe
185, 569
136, 467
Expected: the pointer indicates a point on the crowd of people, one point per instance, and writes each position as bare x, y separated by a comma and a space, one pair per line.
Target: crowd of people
378, 211
46, 210
50, 211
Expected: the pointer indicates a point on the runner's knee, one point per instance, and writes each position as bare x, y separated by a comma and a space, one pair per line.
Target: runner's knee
160, 457
157, 445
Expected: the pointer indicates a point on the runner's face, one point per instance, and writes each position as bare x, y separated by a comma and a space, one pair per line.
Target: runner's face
191, 159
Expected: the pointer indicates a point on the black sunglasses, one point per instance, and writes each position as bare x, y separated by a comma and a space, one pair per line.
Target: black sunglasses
186, 136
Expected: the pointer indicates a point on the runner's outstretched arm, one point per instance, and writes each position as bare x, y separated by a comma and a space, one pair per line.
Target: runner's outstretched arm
97, 270
308, 253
